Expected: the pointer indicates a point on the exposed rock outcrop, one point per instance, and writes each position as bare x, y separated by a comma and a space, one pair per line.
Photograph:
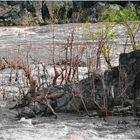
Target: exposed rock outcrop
118, 91
20, 13
66, 98
42, 12
125, 79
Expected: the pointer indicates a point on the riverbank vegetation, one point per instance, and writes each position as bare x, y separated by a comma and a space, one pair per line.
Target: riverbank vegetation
113, 92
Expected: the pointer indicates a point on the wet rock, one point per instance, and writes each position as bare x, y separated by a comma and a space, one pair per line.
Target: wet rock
126, 78
129, 65
136, 106
136, 92
136, 86
65, 98
75, 93
122, 81
26, 112
5, 113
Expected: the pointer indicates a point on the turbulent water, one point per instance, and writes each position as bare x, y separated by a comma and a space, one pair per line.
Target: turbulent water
39, 42
68, 126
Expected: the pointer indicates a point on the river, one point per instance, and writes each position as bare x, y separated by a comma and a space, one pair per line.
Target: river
67, 126
39, 42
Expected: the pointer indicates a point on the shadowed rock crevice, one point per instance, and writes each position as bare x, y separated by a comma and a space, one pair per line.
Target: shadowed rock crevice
45, 12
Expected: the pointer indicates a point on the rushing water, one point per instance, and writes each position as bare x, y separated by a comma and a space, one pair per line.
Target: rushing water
68, 126
39, 41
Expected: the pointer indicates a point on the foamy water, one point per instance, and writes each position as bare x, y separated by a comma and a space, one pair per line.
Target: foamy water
67, 126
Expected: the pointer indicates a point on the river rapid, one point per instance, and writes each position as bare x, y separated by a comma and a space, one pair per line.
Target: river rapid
39, 42
67, 127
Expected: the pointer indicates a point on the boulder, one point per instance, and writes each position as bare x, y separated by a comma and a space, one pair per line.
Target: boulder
126, 78
42, 12
60, 10
65, 98
20, 13
123, 80
136, 94
120, 86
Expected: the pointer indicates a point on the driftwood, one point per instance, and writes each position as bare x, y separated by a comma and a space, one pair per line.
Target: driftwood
122, 109
45, 100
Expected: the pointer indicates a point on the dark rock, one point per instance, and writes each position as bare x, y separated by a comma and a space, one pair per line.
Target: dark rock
126, 78
42, 12
66, 98
71, 101
136, 86
20, 13
136, 92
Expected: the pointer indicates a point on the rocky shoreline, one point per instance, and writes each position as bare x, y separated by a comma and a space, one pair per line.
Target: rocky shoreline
120, 86
27, 13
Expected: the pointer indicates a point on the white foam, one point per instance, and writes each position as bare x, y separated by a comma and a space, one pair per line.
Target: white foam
26, 121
